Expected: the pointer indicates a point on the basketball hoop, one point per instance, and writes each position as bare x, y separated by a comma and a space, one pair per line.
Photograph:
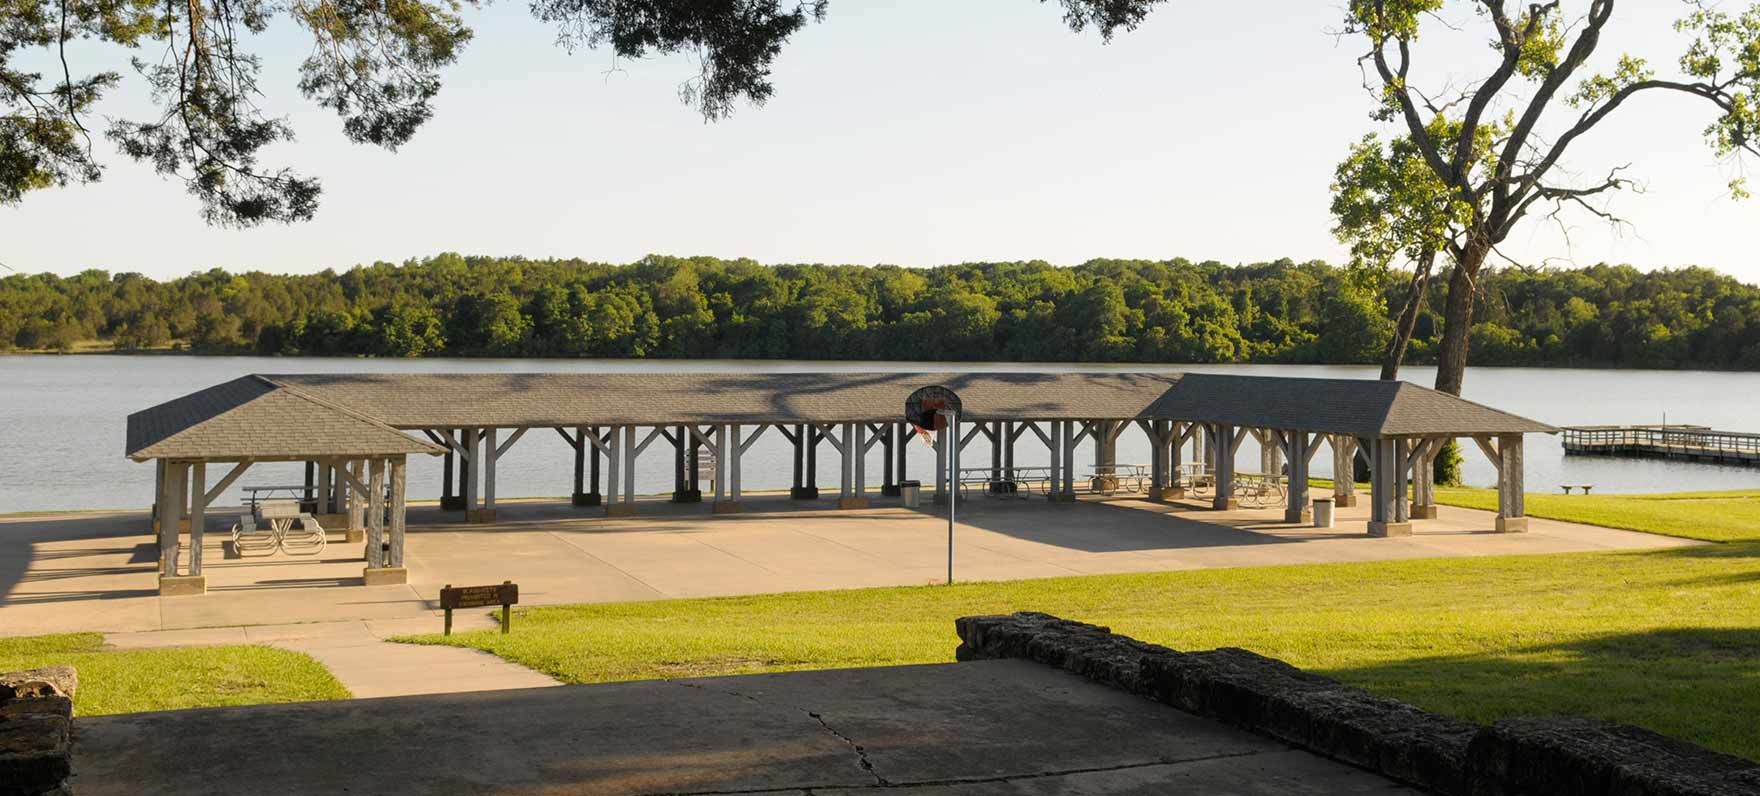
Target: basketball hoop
932, 409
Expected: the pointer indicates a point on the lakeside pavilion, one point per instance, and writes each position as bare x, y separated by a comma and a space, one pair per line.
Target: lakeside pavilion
355, 432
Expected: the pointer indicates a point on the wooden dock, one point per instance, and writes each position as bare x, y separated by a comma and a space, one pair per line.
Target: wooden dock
1681, 442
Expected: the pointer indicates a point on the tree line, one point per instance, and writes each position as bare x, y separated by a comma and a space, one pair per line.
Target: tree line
1101, 311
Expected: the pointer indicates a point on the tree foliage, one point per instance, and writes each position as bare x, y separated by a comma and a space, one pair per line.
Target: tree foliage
1102, 311
375, 63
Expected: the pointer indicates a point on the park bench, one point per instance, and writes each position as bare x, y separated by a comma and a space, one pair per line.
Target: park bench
1568, 487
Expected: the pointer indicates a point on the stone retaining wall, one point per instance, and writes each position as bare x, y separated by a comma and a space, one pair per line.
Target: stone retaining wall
1560, 756
36, 726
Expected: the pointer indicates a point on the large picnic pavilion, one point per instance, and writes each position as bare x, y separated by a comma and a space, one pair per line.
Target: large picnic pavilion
355, 433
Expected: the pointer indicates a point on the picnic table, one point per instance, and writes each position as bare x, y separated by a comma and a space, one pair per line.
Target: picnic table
257, 494
1107, 479
1568, 487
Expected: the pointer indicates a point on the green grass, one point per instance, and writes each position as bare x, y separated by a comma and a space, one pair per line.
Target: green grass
131, 681
1664, 639
1711, 516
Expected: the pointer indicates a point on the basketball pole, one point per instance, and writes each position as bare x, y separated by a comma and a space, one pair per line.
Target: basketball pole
952, 484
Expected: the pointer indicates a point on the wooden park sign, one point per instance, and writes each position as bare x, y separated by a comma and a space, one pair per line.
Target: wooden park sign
505, 595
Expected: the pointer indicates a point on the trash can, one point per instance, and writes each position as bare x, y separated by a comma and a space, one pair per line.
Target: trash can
911, 492
1323, 512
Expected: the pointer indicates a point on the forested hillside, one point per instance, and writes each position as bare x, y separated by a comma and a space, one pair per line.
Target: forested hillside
1101, 311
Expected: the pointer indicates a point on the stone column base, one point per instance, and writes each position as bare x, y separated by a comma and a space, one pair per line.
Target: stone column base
1344, 501
1302, 516
1390, 529
1225, 504
182, 585
1061, 497
480, 516
1512, 524
852, 502
804, 493
1171, 493
727, 507
384, 576
588, 498
889, 490
1420, 512
454, 503
687, 496
620, 510
354, 535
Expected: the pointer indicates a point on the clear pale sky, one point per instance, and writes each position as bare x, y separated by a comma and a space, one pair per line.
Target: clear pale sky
915, 132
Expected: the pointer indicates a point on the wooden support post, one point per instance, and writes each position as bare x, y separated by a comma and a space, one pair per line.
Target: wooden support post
469, 467
812, 438
357, 503
308, 499
1402, 468
579, 496
1069, 460
1225, 441
375, 531
399, 509
854, 452
324, 483
1512, 515
798, 440
889, 438
487, 455
446, 499
1385, 497
172, 582
629, 470
1424, 478
1176, 444
1298, 510
595, 497
198, 515
728, 448
614, 465
1344, 475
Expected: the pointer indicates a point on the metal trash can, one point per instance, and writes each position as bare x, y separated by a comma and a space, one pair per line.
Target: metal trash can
911, 492
1323, 512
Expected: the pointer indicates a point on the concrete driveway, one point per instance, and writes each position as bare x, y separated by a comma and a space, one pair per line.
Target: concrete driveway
95, 571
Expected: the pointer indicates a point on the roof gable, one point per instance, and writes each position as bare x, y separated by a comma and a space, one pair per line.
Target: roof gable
253, 418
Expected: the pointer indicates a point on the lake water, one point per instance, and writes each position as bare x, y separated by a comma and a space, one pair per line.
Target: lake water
63, 421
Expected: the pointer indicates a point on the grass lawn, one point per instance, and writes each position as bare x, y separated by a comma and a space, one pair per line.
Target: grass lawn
1667, 639
1712, 516
130, 681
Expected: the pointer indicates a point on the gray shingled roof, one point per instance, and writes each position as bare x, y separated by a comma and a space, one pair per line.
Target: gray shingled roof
1368, 408
251, 417
336, 414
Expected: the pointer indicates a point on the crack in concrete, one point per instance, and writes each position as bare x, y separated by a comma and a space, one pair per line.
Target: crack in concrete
861, 751
881, 783
933, 783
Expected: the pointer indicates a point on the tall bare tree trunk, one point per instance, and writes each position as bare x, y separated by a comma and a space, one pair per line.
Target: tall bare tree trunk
1408, 317
1457, 319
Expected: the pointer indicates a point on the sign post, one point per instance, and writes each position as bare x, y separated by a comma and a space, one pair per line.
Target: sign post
505, 595
936, 408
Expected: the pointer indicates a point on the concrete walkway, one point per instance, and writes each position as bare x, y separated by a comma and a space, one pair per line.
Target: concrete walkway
357, 653
61, 573
970, 728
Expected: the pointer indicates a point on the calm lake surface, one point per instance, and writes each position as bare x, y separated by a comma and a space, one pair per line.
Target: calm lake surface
63, 421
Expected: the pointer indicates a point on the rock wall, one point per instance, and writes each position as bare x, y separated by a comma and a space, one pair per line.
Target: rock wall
36, 731
1559, 756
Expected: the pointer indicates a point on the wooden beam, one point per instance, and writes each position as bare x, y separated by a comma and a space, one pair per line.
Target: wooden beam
517, 433
237, 470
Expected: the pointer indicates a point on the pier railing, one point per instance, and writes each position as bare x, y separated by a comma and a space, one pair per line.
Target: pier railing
1693, 443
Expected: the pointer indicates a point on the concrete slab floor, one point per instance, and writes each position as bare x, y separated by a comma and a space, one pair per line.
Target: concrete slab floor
95, 571
969, 728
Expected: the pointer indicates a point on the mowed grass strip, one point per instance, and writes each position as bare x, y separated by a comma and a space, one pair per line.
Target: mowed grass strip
1711, 516
131, 681
1664, 639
